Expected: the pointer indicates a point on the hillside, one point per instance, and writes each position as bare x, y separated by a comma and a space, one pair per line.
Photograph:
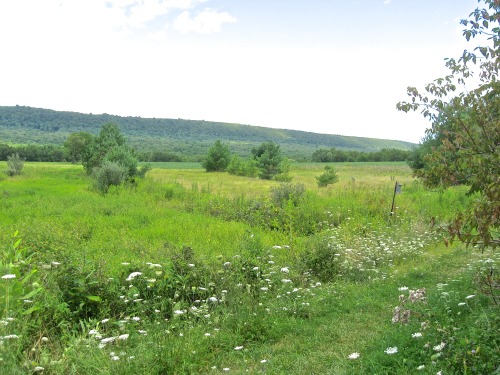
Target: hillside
27, 125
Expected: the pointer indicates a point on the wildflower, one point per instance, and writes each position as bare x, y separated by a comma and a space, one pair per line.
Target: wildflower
391, 350
93, 332
179, 312
123, 337
136, 318
207, 334
9, 276
462, 304
255, 268
286, 281
55, 263
38, 369
263, 361
226, 369
104, 321
227, 264
191, 265
471, 296
125, 264
212, 299
133, 275
416, 335
238, 347
45, 339
421, 367
403, 288
439, 347
106, 341
115, 358
265, 289
9, 337
285, 270
354, 355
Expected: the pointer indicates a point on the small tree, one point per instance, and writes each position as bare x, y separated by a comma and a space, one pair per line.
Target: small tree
109, 174
15, 164
269, 160
218, 158
75, 144
465, 130
96, 150
328, 177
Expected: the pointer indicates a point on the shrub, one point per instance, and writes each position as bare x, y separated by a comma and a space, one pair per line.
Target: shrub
328, 177
14, 165
283, 193
108, 174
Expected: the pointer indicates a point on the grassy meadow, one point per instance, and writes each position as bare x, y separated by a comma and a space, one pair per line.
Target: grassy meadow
188, 272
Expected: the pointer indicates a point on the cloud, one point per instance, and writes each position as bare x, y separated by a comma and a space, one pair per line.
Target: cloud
386, 2
206, 22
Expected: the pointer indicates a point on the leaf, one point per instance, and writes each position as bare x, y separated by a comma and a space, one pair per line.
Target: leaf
94, 298
31, 294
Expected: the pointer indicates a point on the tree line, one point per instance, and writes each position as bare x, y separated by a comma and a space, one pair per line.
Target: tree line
70, 152
334, 155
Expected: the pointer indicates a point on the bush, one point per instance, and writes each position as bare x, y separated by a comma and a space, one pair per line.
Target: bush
14, 165
328, 177
283, 193
108, 174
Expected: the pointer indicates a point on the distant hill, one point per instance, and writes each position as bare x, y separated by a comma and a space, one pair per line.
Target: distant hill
188, 138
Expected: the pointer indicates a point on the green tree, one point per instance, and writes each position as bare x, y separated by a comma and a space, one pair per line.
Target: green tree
75, 144
15, 165
328, 177
96, 150
466, 128
218, 158
269, 160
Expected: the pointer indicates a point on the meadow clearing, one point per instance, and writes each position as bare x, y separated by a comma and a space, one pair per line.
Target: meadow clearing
193, 272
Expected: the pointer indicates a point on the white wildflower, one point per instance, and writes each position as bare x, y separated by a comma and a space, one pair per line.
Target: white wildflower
133, 275
421, 367
403, 288
9, 276
471, 296
285, 270
354, 355
439, 347
123, 337
238, 347
38, 369
391, 350
416, 335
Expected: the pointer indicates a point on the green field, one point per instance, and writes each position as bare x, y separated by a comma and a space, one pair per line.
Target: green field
193, 272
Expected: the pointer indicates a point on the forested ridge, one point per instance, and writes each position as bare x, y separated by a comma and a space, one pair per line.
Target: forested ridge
189, 139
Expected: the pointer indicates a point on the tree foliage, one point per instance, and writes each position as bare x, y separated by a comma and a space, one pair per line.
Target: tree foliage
269, 160
464, 138
15, 165
328, 177
218, 158
108, 138
76, 144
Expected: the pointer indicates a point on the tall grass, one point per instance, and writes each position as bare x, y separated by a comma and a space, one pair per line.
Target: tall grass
194, 272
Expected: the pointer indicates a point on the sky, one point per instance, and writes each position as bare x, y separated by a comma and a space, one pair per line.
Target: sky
323, 66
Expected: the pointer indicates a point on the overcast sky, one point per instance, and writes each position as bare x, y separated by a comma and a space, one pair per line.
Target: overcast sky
325, 66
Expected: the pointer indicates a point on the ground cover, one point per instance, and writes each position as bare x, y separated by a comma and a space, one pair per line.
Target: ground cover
191, 272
